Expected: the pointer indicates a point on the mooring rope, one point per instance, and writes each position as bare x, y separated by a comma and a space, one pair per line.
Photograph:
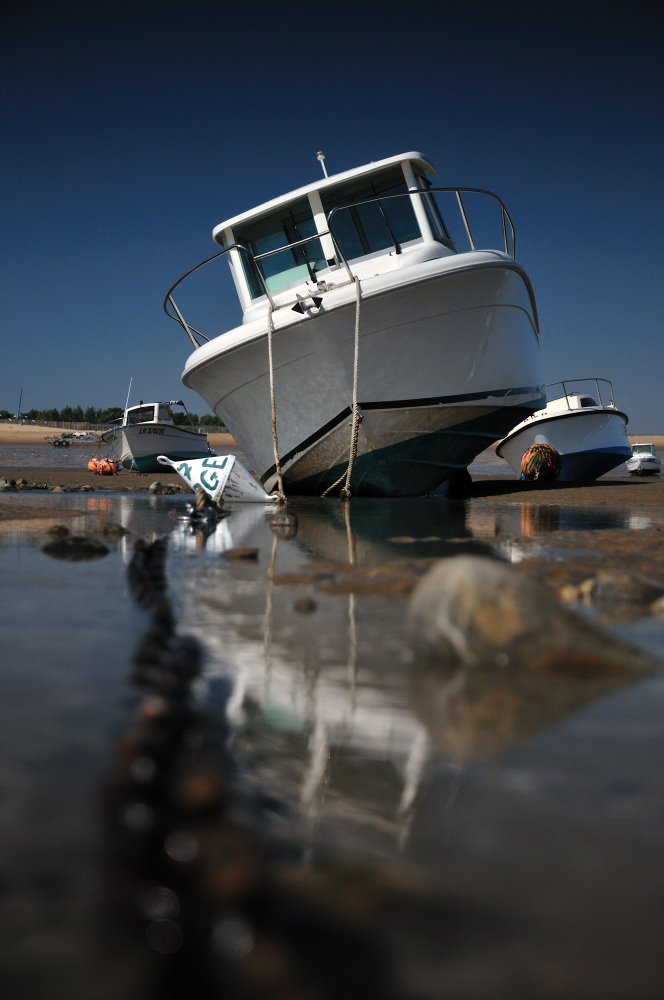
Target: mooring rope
280, 484
355, 427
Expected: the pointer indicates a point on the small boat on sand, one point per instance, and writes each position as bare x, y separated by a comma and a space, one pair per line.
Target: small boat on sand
388, 335
149, 430
589, 433
644, 461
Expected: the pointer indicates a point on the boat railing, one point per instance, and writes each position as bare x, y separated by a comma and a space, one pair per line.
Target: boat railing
253, 260
507, 226
567, 389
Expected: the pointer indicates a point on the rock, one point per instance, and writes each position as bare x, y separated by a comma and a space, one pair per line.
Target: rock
75, 548
58, 531
113, 531
610, 586
471, 609
7, 484
305, 605
501, 658
58, 489
239, 554
284, 524
156, 487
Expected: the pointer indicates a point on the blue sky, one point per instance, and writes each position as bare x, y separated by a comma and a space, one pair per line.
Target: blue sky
131, 129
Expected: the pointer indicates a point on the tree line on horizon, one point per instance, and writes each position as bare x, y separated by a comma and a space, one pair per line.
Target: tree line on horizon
94, 415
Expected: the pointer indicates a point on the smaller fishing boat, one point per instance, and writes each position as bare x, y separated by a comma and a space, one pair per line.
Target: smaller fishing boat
589, 434
644, 461
149, 430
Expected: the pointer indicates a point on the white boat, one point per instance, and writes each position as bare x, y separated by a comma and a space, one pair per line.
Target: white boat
643, 460
360, 309
589, 434
149, 430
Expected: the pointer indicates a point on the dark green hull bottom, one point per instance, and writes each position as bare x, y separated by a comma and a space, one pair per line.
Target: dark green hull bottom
420, 465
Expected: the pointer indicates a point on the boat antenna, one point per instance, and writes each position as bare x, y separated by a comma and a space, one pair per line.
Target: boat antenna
321, 157
128, 391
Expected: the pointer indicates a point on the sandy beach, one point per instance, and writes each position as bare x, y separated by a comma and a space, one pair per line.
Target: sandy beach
621, 491
69, 478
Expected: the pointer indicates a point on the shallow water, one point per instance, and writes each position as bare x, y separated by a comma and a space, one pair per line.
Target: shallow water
533, 869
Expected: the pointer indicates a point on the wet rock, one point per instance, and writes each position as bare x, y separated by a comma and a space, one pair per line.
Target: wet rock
609, 586
284, 524
58, 489
146, 572
7, 485
75, 548
305, 605
657, 607
113, 531
502, 659
240, 555
470, 610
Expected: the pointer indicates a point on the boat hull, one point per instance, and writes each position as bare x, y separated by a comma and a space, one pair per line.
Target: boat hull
448, 363
644, 466
139, 446
590, 442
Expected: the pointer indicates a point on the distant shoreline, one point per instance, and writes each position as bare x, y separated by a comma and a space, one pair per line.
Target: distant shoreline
36, 433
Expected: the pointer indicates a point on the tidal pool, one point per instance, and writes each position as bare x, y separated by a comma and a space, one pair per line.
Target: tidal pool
333, 834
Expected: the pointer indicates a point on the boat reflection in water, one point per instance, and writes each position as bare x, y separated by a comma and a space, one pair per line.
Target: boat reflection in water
329, 707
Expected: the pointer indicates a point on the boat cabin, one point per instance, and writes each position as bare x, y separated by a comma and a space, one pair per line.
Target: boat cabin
643, 449
369, 218
151, 413
571, 401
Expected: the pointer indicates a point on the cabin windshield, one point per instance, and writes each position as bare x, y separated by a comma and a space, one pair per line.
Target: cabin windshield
140, 414
290, 224
365, 229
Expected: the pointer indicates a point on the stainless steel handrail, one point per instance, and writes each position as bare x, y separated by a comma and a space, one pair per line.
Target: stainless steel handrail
192, 332
574, 381
169, 294
504, 214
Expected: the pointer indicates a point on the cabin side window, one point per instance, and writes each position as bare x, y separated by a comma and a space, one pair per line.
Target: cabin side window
436, 221
365, 229
275, 234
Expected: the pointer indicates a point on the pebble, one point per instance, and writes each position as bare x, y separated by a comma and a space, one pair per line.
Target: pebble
468, 609
239, 555
75, 548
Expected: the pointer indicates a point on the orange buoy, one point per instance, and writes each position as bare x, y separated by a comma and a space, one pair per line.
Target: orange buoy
541, 461
104, 466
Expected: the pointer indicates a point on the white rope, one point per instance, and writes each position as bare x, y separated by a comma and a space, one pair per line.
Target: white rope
280, 485
355, 427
